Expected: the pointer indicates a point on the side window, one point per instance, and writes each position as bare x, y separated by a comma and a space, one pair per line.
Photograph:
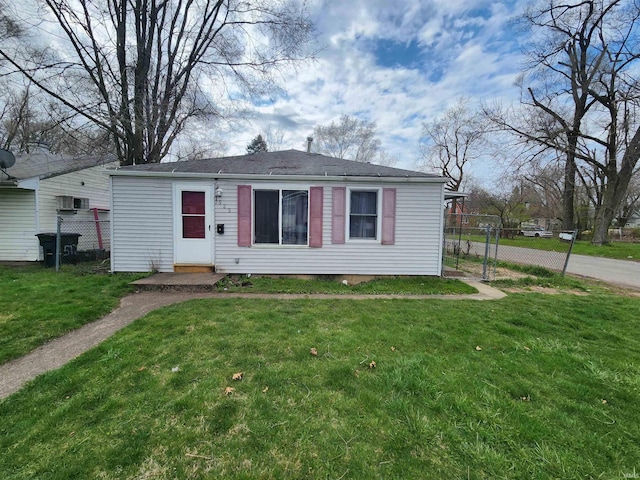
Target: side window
363, 214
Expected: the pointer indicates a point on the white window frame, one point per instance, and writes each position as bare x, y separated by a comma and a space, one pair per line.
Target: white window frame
279, 189
378, 238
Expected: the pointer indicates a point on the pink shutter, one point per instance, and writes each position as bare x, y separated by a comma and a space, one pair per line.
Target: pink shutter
315, 216
244, 215
388, 216
338, 207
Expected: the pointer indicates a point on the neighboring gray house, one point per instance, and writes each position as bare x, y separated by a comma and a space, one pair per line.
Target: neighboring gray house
41, 186
288, 212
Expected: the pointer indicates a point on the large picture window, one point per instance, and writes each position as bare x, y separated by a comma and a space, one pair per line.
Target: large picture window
363, 214
281, 217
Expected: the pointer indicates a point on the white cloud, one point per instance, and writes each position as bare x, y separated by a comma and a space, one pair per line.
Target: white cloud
466, 50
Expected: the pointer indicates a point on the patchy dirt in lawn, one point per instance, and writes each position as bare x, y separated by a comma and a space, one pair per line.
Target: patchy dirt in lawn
473, 269
545, 290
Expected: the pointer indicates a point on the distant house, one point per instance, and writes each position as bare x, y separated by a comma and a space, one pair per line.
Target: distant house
288, 212
41, 186
634, 219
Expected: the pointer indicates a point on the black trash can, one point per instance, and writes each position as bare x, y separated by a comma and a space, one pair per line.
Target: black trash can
68, 246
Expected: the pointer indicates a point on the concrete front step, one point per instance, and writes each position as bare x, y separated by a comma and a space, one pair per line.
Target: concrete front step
179, 282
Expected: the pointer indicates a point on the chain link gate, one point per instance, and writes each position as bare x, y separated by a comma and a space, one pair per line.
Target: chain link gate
470, 246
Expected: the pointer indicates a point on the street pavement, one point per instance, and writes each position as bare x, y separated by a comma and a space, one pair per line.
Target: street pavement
620, 272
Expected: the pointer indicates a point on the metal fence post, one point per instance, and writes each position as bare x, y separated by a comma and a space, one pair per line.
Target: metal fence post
58, 243
487, 240
495, 255
566, 260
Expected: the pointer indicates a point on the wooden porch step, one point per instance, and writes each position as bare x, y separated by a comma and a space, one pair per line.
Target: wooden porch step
185, 268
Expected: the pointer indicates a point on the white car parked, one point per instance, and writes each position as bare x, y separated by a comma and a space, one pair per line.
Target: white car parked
537, 232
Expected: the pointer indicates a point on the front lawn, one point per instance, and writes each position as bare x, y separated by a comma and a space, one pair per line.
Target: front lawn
381, 286
38, 304
531, 386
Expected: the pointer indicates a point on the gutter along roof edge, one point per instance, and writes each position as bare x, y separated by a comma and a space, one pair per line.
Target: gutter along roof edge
315, 178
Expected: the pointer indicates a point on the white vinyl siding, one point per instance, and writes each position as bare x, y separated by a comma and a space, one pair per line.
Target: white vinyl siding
91, 183
142, 228
417, 248
142, 224
33, 209
18, 225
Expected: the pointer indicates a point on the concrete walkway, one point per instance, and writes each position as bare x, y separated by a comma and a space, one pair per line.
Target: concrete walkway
14, 374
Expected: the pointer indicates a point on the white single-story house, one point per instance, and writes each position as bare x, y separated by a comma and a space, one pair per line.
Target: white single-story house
288, 212
41, 186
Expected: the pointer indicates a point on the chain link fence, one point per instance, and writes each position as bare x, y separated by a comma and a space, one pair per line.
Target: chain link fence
475, 243
537, 246
76, 240
470, 246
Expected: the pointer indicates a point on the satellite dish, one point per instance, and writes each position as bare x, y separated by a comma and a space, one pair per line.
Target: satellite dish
6, 159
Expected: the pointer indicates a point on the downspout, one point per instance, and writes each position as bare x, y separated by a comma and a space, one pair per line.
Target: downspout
37, 219
112, 243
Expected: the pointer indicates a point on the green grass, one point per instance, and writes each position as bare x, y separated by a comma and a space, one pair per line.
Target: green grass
616, 250
395, 285
531, 386
39, 304
619, 250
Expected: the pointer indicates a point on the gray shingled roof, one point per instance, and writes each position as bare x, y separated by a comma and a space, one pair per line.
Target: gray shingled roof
287, 162
46, 165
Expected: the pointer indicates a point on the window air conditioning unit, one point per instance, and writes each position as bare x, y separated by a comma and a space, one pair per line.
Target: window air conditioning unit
67, 203
80, 203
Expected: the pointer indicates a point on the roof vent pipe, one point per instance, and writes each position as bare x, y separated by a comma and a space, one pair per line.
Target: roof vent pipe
309, 140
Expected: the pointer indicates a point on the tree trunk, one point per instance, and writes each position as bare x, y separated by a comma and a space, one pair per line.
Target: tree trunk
615, 190
603, 216
568, 193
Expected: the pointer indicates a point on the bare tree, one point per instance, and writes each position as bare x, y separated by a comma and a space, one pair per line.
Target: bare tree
16, 120
385, 158
450, 142
142, 69
579, 93
631, 202
509, 204
351, 138
28, 121
541, 185
9, 27
276, 138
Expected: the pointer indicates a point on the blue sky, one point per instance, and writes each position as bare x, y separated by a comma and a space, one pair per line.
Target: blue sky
398, 64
